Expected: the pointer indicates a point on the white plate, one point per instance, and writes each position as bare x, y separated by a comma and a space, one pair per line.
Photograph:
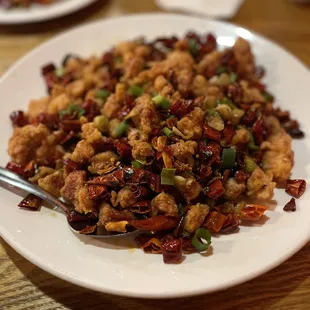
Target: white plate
37, 13
44, 237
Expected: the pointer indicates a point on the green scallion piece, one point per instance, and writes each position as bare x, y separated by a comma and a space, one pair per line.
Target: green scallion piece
136, 164
167, 132
249, 165
118, 59
180, 208
135, 90
122, 129
251, 144
193, 47
162, 102
226, 101
229, 158
201, 233
220, 70
72, 109
267, 96
167, 176
102, 94
212, 112
233, 77
60, 72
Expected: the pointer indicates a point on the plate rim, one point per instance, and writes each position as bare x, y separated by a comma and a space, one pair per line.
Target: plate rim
31, 18
62, 275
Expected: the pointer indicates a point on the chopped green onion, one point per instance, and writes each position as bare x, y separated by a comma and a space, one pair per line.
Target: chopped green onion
72, 109
213, 112
101, 122
102, 94
249, 165
228, 158
201, 233
193, 47
233, 77
180, 208
251, 145
60, 72
121, 129
118, 59
167, 176
220, 70
226, 101
136, 164
135, 90
162, 101
267, 96
169, 133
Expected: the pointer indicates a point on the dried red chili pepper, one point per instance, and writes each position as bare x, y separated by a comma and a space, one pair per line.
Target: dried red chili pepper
48, 68
181, 107
240, 176
249, 117
172, 251
231, 223
155, 223
226, 175
49, 120
72, 164
91, 109
209, 154
152, 246
215, 221
31, 202
228, 134
68, 137
141, 207
18, 118
124, 150
29, 169
168, 42
205, 172
216, 189
16, 168
82, 222
259, 130
235, 92
188, 248
290, 206
70, 125
208, 46
211, 133
295, 188
98, 192
252, 212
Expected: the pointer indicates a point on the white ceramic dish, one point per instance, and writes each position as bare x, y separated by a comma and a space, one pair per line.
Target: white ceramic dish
38, 13
115, 267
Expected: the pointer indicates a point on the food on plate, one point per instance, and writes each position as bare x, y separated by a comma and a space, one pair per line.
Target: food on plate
174, 137
23, 3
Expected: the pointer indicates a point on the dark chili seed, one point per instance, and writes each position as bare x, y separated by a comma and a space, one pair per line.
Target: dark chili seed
290, 206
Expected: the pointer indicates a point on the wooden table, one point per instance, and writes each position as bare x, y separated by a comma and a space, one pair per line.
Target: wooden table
25, 286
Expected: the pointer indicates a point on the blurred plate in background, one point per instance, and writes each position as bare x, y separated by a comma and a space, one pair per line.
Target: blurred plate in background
37, 13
